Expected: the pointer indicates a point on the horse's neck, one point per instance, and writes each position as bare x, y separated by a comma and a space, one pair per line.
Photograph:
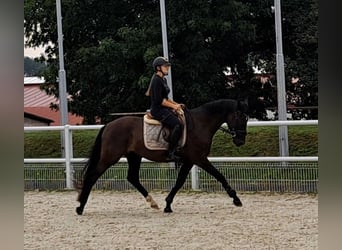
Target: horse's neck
214, 114
209, 122
215, 122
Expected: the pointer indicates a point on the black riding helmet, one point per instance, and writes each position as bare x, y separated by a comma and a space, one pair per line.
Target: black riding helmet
159, 61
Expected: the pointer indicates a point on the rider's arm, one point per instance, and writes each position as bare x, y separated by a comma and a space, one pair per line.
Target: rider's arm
181, 104
172, 101
171, 104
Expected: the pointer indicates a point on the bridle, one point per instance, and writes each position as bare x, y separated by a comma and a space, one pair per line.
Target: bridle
233, 132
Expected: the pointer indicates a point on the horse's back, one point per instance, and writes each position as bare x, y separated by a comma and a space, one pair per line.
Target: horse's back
124, 125
126, 119
123, 131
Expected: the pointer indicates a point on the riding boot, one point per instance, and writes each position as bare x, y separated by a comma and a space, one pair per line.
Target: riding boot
175, 135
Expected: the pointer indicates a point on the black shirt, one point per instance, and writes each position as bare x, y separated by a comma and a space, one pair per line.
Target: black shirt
159, 91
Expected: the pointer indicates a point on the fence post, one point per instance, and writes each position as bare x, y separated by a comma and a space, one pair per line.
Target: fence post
194, 178
68, 167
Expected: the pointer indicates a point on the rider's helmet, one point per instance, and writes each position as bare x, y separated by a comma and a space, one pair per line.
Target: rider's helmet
159, 61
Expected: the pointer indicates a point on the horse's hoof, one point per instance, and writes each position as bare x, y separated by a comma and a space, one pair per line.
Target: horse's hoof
153, 203
155, 206
167, 210
79, 210
237, 203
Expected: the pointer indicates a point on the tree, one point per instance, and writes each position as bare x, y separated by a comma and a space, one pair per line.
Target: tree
206, 37
300, 47
103, 54
109, 47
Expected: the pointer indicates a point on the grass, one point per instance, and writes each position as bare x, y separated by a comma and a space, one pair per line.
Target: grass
264, 141
260, 141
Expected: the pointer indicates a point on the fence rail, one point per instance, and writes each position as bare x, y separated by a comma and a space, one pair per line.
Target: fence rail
243, 176
281, 174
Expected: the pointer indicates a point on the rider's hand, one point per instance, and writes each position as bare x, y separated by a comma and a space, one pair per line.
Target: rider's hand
180, 111
178, 107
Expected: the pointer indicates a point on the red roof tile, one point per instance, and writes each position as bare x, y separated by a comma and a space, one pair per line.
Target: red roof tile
35, 97
37, 102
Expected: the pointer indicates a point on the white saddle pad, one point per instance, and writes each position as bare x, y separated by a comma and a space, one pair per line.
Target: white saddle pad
153, 134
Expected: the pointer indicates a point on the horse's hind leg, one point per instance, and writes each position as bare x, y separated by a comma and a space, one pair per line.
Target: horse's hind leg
182, 175
208, 167
90, 178
134, 162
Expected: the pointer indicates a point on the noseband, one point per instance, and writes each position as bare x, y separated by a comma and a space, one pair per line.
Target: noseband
232, 132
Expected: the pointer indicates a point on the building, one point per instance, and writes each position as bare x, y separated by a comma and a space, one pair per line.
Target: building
37, 111
35, 120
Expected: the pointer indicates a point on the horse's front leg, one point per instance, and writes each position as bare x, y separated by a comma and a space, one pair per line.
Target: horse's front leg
210, 169
182, 175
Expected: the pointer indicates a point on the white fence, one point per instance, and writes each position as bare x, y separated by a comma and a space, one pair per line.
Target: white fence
68, 160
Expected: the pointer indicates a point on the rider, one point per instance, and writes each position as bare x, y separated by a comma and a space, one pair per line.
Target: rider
163, 108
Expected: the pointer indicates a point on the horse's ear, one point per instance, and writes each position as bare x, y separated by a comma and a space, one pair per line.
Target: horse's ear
243, 105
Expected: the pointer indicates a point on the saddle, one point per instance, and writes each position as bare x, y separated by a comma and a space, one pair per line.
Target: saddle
156, 136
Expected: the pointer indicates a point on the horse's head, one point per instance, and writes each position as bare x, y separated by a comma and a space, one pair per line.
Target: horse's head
237, 123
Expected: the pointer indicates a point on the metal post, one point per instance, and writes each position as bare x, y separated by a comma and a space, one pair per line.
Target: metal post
166, 51
194, 178
63, 102
68, 166
165, 46
283, 133
63, 107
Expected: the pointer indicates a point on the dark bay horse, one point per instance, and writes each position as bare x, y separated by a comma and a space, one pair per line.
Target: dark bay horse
124, 137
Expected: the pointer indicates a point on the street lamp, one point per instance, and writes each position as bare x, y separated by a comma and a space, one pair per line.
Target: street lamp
63, 107
165, 46
63, 102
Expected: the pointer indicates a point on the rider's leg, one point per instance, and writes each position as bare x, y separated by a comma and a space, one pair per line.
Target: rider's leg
170, 120
175, 136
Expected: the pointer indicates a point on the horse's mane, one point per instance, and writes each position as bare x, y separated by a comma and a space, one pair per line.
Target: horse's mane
219, 106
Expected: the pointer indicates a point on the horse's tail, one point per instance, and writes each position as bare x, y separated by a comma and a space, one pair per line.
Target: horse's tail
94, 158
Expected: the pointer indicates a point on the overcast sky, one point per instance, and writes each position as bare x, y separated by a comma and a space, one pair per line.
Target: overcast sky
30, 52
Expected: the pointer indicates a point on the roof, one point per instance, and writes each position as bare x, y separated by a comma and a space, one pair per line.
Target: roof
53, 115
34, 80
37, 103
35, 97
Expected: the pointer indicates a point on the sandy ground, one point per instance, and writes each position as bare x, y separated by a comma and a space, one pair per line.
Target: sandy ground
123, 220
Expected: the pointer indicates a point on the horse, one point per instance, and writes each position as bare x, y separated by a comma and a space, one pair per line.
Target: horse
124, 137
